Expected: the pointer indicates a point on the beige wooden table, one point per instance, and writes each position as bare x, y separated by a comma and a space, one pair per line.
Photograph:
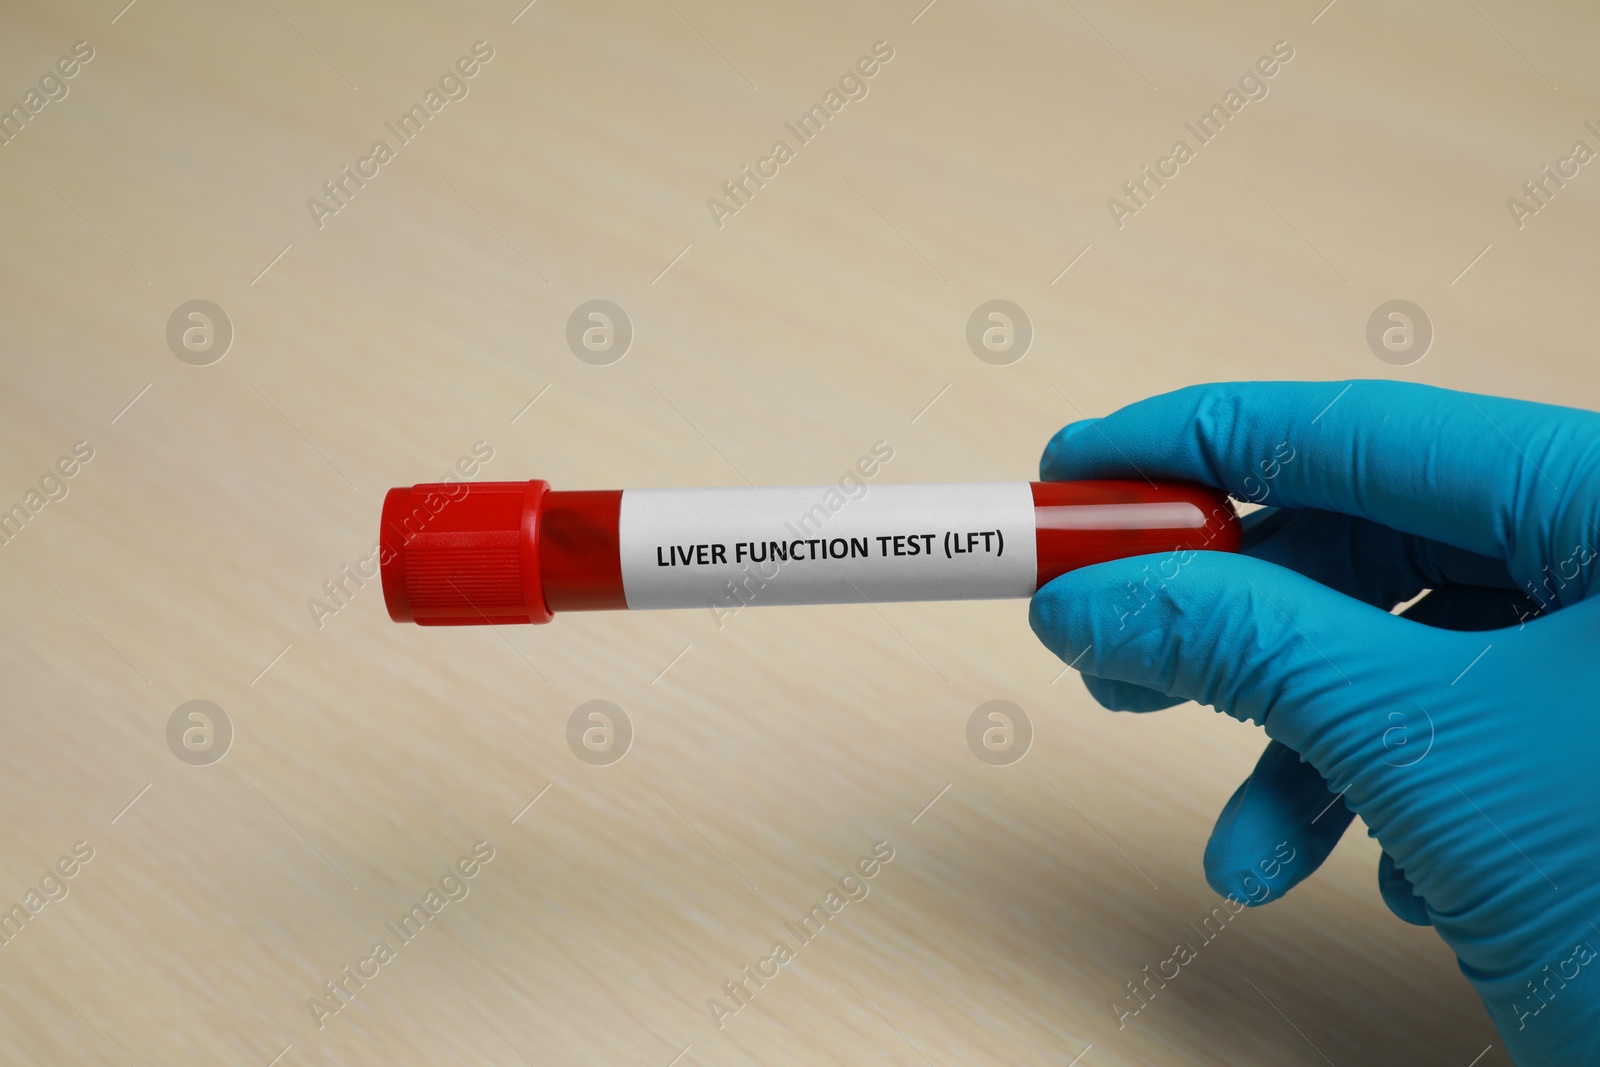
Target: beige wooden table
379, 338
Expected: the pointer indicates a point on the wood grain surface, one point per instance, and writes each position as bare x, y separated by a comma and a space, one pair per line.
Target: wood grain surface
424, 311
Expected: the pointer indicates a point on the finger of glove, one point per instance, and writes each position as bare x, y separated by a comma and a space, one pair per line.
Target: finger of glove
1360, 558
1498, 477
1275, 830
1127, 696
1255, 640
1399, 894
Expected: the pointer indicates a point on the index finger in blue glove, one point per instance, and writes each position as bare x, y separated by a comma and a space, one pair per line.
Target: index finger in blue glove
1360, 558
1241, 635
1502, 478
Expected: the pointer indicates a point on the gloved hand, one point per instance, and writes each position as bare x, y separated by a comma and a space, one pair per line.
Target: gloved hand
1465, 733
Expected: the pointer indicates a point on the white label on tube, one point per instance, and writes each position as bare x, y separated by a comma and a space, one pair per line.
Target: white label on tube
695, 548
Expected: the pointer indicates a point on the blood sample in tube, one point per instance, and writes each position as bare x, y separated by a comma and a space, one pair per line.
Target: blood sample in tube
459, 554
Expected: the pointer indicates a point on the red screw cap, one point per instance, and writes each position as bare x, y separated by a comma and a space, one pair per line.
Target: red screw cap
461, 554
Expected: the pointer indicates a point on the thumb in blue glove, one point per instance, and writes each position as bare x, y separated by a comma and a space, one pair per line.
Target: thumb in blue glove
1462, 733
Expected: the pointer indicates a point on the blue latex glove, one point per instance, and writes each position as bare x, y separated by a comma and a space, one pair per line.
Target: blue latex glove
1466, 734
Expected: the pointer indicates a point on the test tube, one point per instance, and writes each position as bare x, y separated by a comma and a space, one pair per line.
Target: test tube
461, 553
